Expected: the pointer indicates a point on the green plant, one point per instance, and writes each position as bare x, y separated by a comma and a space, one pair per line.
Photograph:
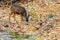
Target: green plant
50, 15
15, 35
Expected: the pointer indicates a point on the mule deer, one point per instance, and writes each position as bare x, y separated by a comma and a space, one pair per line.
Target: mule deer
16, 9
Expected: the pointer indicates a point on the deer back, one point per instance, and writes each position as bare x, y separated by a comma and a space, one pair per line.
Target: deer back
17, 8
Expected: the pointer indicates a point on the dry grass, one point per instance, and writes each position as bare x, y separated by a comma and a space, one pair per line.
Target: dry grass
38, 10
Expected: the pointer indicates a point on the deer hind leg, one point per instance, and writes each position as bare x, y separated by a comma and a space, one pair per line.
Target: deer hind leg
15, 18
10, 16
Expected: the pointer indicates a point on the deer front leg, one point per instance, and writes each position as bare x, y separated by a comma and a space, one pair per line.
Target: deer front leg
15, 19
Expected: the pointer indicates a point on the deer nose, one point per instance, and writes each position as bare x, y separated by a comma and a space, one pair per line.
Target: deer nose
27, 18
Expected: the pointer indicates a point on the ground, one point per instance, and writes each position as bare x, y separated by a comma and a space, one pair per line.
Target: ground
44, 21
